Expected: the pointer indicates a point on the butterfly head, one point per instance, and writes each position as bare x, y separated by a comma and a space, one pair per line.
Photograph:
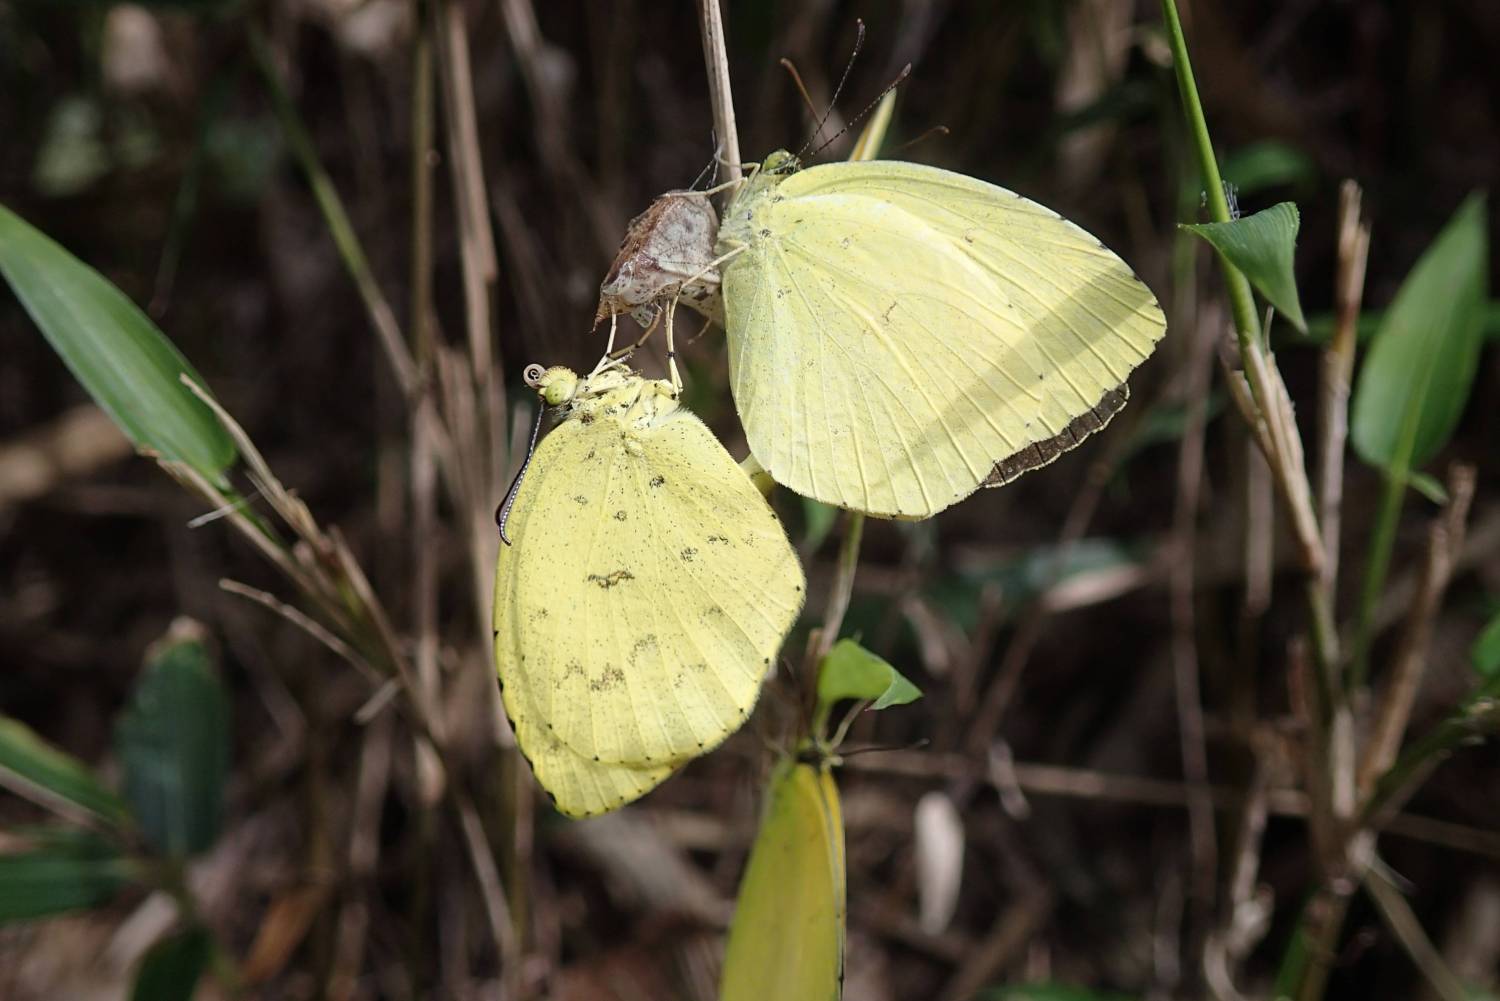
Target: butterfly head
781, 162
556, 385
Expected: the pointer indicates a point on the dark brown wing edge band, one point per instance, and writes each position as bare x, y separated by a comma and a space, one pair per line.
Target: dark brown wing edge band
1042, 452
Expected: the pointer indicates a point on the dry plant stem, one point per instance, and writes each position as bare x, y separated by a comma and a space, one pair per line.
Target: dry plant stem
326, 569
1002, 689
471, 209
382, 317
1403, 924
1015, 927
1479, 716
838, 595
1082, 783
716, 59
1334, 375
1271, 416
302, 621
364, 854
1445, 539
1192, 744
422, 153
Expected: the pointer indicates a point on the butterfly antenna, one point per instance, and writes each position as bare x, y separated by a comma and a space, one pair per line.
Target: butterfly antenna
859, 43
502, 513
915, 745
936, 130
791, 68
711, 165
900, 79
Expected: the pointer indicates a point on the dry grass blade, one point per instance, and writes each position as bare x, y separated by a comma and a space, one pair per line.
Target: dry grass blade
1445, 539
1337, 367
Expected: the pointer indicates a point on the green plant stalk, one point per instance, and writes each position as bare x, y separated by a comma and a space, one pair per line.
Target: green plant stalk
1306, 963
1382, 545
1242, 308
1479, 716
1241, 300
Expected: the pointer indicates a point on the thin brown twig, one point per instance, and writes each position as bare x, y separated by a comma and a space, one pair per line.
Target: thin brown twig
716, 59
1403, 924
1445, 539
1334, 374
302, 621
1082, 783
1192, 744
492, 891
1001, 691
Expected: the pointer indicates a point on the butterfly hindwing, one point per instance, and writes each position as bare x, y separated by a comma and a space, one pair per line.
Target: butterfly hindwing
648, 589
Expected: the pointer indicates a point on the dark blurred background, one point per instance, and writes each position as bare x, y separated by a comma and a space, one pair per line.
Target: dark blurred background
142, 139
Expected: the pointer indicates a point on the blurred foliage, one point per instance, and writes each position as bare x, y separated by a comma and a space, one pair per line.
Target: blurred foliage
1414, 384
173, 743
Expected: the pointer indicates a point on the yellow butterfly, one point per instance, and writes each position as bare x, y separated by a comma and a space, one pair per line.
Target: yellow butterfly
900, 335
787, 937
647, 590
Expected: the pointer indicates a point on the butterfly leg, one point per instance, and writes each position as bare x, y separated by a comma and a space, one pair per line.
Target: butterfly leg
607, 358
672, 349
626, 352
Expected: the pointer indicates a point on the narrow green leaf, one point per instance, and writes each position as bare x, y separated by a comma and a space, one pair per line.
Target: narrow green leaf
1262, 246
171, 968
1428, 486
173, 742
113, 349
1320, 327
64, 874
29, 762
1486, 652
852, 672
1416, 379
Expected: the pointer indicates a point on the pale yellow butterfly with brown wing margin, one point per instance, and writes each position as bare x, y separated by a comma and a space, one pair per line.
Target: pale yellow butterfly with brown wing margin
900, 335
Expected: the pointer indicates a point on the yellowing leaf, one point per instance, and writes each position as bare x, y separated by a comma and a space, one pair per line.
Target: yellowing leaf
787, 938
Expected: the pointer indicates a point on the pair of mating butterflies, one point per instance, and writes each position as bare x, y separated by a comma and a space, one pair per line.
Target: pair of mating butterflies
899, 336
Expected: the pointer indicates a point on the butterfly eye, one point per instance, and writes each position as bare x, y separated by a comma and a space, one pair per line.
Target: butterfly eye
533, 375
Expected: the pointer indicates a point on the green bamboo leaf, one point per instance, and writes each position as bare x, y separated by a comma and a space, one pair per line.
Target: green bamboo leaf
1486, 652
73, 871
29, 763
1262, 246
1428, 486
114, 350
173, 743
1416, 379
852, 672
171, 968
